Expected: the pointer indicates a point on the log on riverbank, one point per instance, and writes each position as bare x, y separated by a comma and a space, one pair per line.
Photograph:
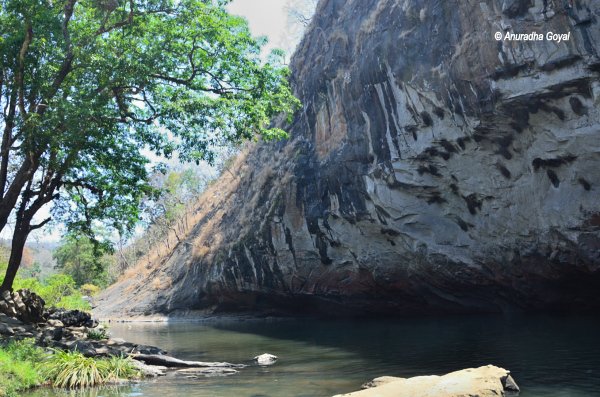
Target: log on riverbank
172, 362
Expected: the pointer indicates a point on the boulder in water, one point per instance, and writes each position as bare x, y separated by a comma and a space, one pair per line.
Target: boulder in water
265, 359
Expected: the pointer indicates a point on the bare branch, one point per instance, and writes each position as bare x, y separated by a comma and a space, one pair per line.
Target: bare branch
40, 225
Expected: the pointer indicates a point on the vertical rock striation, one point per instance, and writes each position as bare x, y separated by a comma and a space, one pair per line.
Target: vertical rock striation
431, 168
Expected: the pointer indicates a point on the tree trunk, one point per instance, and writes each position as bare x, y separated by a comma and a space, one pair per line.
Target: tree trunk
16, 254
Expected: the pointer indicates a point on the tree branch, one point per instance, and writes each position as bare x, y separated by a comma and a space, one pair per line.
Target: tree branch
78, 183
102, 29
40, 225
19, 77
7, 141
67, 62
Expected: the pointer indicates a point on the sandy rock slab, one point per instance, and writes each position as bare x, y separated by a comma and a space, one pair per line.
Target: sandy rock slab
488, 381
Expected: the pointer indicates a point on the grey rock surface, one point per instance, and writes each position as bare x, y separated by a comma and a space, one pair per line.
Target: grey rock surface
431, 168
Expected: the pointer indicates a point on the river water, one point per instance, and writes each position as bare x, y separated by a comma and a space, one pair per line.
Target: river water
549, 356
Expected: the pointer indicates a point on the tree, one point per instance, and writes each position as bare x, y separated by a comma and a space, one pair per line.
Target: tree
78, 257
88, 86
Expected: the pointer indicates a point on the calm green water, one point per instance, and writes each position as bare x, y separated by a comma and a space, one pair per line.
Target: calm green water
557, 356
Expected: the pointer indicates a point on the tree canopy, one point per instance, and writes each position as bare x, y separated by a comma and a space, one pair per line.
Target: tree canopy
89, 87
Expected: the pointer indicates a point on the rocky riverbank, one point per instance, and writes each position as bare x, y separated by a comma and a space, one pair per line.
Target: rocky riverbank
23, 315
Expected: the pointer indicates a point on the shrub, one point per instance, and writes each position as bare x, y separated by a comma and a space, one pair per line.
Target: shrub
58, 290
89, 289
74, 302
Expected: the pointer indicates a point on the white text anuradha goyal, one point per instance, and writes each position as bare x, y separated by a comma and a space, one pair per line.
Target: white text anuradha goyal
535, 36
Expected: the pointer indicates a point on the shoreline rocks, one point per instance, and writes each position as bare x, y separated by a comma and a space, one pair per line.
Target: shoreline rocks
22, 315
487, 381
23, 305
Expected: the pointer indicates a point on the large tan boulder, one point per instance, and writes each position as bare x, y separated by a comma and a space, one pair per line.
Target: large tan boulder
488, 381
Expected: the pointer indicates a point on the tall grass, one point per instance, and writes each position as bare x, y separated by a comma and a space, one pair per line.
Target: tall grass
121, 367
73, 370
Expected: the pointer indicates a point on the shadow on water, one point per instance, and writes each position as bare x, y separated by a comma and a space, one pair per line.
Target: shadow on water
550, 356
539, 348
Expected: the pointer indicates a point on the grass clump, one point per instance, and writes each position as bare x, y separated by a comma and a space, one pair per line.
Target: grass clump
73, 370
99, 333
121, 367
24, 365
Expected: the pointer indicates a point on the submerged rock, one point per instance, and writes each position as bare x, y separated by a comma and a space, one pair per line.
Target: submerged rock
488, 381
205, 372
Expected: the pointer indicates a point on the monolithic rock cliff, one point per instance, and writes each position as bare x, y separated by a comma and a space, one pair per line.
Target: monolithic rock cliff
432, 168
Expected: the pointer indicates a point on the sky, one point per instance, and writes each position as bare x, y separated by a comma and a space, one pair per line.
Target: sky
265, 18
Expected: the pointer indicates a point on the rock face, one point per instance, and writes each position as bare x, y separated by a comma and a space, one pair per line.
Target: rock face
488, 381
432, 168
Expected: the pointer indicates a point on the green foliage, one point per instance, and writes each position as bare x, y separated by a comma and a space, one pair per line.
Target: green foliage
58, 290
74, 302
24, 350
82, 259
89, 88
73, 370
18, 367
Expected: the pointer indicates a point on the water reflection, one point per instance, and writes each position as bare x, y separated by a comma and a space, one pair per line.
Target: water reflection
550, 356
